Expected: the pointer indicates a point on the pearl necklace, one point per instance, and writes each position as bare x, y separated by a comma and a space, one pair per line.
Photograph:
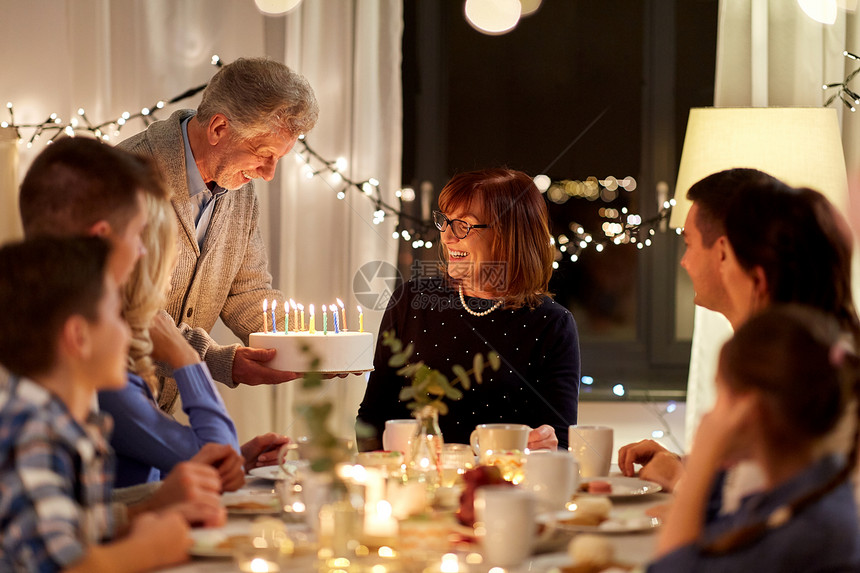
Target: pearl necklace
472, 312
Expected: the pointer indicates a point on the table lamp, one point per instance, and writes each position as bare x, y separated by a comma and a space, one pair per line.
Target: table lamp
801, 146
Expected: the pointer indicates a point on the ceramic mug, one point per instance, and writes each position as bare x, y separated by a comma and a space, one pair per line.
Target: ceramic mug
506, 524
397, 434
495, 437
552, 476
592, 448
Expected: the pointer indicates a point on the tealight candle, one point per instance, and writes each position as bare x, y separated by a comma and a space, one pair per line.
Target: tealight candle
295, 314
311, 325
334, 314
343, 310
265, 318
274, 321
302, 310
360, 320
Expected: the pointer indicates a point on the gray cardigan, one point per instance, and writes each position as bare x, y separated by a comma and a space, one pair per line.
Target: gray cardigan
229, 277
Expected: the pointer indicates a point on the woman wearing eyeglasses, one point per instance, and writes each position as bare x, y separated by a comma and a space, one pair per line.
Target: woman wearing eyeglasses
491, 295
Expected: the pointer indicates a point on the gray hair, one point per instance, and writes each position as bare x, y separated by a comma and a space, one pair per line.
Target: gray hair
258, 96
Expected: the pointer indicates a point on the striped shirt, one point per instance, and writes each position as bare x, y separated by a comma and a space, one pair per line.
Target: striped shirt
56, 477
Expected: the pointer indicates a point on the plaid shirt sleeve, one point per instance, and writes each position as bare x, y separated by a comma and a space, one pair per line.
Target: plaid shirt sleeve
47, 518
53, 499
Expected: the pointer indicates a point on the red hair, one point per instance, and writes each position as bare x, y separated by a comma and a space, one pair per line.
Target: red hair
517, 213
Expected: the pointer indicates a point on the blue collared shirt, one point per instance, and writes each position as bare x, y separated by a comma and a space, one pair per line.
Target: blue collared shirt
822, 537
56, 478
201, 197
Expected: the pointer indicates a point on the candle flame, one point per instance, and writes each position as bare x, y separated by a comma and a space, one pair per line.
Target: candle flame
339, 302
301, 306
274, 304
292, 304
359, 310
265, 304
312, 310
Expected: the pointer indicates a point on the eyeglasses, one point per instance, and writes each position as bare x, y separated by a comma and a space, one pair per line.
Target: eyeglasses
459, 227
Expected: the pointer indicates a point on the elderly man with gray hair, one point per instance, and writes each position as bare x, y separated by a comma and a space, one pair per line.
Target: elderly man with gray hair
251, 114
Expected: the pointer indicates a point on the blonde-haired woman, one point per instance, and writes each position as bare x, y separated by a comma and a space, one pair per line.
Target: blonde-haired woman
148, 442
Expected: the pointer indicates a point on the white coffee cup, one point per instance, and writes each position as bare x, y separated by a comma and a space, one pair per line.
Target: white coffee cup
552, 476
397, 435
499, 437
505, 524
592, 448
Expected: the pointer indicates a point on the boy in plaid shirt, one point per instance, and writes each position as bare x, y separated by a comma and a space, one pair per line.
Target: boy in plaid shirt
62, 333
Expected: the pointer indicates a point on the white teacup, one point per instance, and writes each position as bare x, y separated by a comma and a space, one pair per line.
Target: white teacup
592, 448
499, 437
505, 524
397, 435
552, 476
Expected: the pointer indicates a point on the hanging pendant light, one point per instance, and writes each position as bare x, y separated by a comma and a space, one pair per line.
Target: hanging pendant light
493, 17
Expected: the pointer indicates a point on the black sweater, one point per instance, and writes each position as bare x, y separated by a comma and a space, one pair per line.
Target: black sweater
537, 384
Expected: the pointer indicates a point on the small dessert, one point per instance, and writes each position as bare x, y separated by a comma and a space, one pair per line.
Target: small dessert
592, 549
592, 554
249, 505
234, 542
589, 511
596, 487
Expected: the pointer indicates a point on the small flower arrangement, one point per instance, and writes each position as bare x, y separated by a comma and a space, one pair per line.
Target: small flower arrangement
429, 387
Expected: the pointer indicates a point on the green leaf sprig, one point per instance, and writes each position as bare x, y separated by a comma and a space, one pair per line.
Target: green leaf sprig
429, 386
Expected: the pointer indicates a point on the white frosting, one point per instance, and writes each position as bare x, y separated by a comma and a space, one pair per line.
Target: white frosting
342, 352
593, 549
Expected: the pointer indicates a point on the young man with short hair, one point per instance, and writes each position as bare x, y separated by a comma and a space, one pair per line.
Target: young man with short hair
62, 334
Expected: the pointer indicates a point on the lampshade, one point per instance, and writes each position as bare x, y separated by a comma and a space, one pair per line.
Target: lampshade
800, 146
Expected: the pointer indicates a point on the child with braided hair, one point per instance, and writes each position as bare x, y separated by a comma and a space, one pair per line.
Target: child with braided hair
783, 382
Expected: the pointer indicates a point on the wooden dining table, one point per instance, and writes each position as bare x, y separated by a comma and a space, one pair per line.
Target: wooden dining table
631, 548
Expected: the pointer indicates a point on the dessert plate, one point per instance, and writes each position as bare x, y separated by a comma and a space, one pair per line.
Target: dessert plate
250, 502
219, 542
623, 486
274, 473
619, 521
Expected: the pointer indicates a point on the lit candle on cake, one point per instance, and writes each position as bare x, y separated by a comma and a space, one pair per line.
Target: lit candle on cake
296, 315
334, 313
286, 317
311, 326
325, 319
343, 310
360, 320
302, 311
274, 321
265, 317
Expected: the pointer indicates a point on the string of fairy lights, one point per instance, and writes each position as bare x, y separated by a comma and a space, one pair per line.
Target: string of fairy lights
844, 93
620, 226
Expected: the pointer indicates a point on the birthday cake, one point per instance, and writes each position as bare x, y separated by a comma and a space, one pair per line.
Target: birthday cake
341, 352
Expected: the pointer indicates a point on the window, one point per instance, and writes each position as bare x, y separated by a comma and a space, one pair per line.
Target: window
579, 89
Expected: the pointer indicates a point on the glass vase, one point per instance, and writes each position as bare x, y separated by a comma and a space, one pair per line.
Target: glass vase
425, 463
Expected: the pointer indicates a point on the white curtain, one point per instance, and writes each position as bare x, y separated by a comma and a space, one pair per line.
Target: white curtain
769, 53
110, 57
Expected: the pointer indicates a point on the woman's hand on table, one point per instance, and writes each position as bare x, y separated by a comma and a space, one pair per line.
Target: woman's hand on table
192, 487
543, 438
226, 461
263, 450
202, 514
658, 464
168, 344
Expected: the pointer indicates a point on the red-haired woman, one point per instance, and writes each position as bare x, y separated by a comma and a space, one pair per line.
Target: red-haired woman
492, 296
